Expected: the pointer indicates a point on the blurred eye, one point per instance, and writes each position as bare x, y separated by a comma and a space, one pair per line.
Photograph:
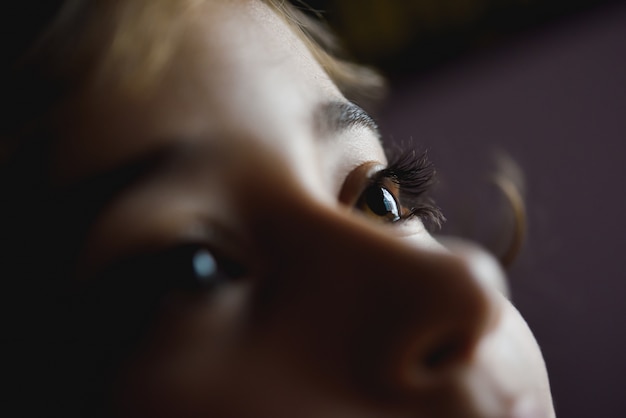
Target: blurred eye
125, 297
116, 308
187, 268
377, 201
191, 267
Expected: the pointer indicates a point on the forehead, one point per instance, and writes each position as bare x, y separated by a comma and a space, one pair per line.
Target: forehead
238, 72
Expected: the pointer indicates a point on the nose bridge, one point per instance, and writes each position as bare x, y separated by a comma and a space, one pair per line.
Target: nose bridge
354, 293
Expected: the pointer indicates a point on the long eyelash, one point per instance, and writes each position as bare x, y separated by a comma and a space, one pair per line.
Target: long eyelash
415, 176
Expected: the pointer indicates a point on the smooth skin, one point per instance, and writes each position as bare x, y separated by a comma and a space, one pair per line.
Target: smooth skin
338, 314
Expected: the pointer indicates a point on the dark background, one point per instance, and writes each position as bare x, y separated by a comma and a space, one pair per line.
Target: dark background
543, 82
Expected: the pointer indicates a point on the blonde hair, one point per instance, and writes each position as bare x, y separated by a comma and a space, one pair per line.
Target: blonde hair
135, 39
358, 83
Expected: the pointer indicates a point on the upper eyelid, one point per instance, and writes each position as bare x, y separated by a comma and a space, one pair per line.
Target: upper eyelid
381, 175
357, 180
416, 176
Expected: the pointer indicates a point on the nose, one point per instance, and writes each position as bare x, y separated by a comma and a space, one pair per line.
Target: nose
353, 299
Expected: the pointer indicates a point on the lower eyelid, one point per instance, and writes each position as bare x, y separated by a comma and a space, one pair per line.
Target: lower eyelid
412, 227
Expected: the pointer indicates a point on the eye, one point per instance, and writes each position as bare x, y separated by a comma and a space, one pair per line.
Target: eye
379, 202
189, 267
117, 308
150, 276
124, 299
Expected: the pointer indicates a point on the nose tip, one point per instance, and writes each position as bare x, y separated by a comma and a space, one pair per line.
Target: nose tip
487, 269
435, 360
437, 353
398, 316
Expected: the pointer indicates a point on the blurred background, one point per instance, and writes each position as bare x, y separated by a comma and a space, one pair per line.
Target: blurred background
544, 83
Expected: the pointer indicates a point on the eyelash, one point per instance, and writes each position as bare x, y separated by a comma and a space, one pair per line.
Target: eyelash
414, 175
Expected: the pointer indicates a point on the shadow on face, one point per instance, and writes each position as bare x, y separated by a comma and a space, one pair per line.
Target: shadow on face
245, 248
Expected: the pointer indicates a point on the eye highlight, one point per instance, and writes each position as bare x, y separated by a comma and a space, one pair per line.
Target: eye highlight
204, 265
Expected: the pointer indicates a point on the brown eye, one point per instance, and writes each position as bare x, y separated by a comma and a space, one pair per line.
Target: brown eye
378, 201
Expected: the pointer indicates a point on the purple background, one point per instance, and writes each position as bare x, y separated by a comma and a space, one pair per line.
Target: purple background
555, 100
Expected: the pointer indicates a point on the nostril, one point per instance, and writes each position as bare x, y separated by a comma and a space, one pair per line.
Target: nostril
436, 362
445, 354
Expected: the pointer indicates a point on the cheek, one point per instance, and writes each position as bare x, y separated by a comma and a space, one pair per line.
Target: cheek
415, 235
508, 365
185, 366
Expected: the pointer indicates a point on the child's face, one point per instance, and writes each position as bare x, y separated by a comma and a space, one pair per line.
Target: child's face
321, 310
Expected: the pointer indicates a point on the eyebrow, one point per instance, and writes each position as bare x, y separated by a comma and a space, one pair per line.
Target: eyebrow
336, 116
83, 201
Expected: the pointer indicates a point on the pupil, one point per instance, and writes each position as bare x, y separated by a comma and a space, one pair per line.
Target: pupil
382, 203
